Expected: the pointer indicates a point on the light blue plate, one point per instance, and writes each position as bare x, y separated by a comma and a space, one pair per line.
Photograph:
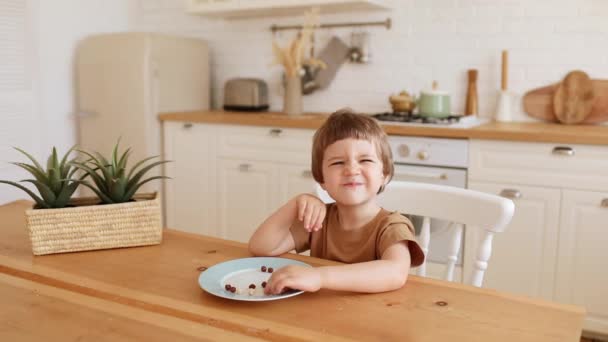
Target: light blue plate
240, 273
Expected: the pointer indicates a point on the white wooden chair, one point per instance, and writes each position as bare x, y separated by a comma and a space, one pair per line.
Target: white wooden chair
460, 207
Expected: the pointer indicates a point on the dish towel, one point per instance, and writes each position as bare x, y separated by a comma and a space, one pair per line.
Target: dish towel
334, 55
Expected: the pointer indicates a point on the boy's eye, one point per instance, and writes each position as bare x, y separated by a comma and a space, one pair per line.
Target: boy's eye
367, 161
336, 163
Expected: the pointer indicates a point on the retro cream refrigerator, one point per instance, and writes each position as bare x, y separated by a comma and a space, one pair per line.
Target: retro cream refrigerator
124, 80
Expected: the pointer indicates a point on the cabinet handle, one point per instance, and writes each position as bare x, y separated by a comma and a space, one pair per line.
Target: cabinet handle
563, 150
275, 132
604, 203
307, 173
510, 193
187, 125
244, 167
429, 175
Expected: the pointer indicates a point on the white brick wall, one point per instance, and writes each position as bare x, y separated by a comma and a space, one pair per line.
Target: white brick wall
430, 40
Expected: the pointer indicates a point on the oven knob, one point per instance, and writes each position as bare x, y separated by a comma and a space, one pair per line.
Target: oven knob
404, 151
423, 155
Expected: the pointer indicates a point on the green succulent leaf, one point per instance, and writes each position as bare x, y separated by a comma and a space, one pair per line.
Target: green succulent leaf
118, 190
53, 162
37, 173
138, 164
101, 195
39, 201
132, 190
99, 181
54, 180
53, 184
135, 179
92, 159
115, 158
102, 164
65, 194
122, 163
47, 194
102, 159
64, 165
72, 169
31, 158
121, 174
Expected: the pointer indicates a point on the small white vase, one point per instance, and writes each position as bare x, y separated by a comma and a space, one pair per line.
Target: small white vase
292, 102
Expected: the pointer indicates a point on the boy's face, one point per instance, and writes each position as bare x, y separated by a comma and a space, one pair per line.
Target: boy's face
352, 171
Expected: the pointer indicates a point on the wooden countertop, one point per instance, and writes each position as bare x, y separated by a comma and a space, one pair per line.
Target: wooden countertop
513, 131
152, 293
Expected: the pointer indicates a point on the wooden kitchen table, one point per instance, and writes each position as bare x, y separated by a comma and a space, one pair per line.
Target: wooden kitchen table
152, 293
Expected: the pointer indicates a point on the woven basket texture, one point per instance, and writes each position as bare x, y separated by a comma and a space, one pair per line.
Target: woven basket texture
87, 226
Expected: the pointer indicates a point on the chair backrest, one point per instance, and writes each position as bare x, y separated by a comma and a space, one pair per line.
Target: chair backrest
476, 210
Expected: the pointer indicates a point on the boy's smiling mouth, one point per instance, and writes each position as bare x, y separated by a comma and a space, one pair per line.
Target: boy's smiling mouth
352, 184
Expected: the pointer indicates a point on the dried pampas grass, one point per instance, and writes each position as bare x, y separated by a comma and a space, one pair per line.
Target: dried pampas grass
292, 56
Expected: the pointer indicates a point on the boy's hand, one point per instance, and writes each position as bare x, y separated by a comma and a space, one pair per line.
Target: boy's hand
311, 210
294, 277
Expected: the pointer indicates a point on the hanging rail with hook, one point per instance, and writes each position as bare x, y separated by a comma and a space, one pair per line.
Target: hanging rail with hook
386, 23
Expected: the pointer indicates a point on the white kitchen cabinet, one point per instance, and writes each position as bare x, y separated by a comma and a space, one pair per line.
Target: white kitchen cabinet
570, 166
524, 255
190, 194
257, 8
295, 179
581, 277
247, 194
228, 178
571, 178
259, 169
249, 191
280, 145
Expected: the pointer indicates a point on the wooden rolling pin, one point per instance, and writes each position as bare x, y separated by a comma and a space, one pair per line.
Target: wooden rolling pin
503, 107
505, 69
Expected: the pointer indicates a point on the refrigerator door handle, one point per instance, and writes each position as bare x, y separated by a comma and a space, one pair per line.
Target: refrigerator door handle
86, 114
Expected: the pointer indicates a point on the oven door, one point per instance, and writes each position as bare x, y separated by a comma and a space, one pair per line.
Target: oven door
440, 236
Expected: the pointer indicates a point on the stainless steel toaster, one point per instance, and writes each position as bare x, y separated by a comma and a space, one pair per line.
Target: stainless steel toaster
246, 94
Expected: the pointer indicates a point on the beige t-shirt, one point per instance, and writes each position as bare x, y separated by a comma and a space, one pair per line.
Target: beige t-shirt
333, 242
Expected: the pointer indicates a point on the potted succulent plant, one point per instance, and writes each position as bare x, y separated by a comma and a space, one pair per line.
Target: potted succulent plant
116, 217
55, 184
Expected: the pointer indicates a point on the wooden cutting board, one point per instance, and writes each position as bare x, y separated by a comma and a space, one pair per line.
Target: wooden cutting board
538, 103
573, 98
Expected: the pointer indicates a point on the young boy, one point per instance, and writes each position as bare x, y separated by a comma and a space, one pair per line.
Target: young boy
352, 161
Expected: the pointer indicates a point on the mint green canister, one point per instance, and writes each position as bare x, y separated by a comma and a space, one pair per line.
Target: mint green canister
434, 103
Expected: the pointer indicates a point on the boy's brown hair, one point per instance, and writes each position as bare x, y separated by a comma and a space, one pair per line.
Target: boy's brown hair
344, 124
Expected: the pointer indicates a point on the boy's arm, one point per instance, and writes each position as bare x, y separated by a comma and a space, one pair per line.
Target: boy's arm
273, 237
386, 274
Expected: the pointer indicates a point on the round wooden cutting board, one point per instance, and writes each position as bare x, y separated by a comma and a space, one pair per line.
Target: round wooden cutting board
573, 98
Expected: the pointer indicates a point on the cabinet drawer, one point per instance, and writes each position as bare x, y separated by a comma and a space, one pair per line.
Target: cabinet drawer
266, 143
560, 165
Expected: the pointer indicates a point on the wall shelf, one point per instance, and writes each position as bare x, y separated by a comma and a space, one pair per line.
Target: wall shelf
235, 9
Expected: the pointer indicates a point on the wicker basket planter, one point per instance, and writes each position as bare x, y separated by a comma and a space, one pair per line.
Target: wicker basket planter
90, 226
